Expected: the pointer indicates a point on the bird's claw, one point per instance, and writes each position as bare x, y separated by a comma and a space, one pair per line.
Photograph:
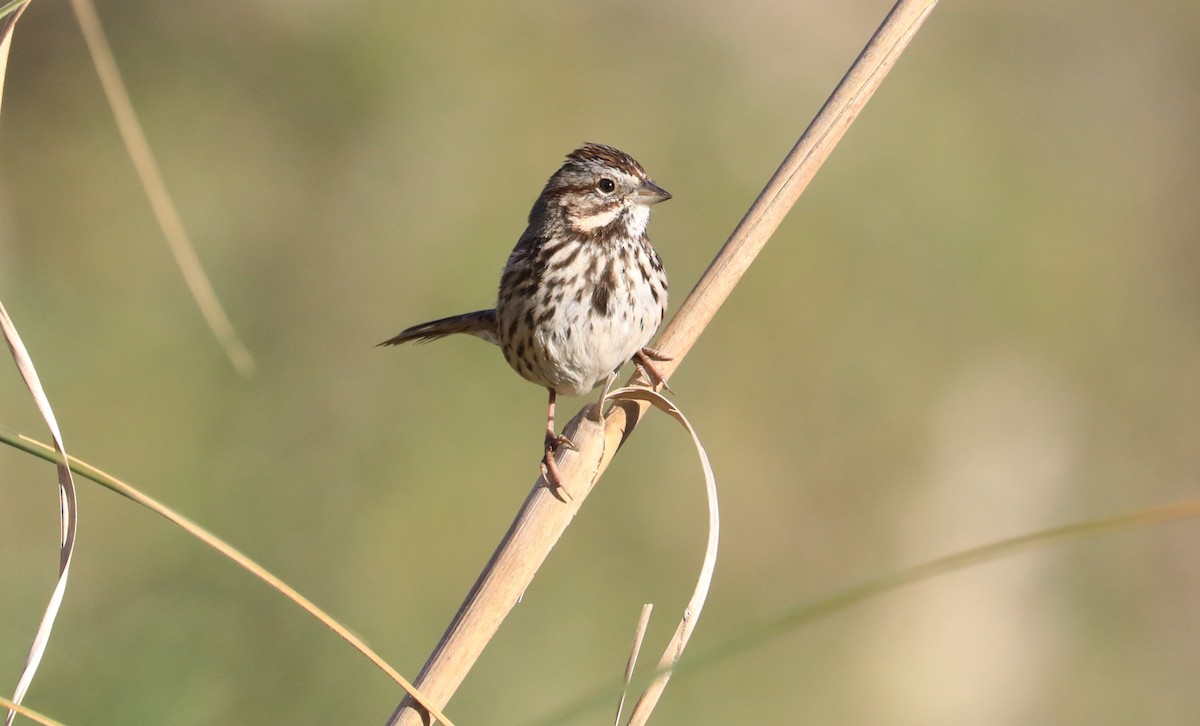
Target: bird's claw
554, 441
550, 468
644, 359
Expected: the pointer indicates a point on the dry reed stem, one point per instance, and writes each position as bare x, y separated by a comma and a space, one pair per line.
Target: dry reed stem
544, 516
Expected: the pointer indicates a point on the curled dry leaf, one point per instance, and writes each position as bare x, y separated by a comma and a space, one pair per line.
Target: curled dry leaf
649, 698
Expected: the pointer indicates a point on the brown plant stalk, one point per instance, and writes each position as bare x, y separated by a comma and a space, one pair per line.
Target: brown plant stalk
546, 513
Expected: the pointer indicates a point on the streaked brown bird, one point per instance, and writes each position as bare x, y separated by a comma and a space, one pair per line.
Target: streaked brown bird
583, 291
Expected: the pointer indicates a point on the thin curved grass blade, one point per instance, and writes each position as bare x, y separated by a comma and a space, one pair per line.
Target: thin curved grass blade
10, 13
68, 513
39, 449
68, 509
814, 610
846, 598
156, 188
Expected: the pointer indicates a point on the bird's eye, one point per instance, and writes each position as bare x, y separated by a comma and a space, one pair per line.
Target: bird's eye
606, 185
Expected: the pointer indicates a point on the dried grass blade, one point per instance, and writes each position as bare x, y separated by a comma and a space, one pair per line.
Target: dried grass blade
649, 698
836, 602
37, 448
156, 189
639, 634
9, 15
68, 509
29, 713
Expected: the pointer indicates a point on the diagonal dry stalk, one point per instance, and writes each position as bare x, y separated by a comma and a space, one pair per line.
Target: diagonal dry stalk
544, 515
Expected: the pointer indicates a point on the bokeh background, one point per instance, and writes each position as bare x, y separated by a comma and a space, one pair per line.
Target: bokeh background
982, 319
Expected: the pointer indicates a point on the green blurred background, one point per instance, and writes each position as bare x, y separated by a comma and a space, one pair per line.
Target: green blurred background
982, 319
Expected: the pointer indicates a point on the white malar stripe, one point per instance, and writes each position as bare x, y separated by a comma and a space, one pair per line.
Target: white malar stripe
596, 221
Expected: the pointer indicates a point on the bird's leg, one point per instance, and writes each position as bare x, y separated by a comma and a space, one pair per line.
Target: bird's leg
599, 417
644, 360
553, 441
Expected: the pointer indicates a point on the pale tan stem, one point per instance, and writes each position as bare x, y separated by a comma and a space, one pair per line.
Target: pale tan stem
541, 521
543, 517
776, 200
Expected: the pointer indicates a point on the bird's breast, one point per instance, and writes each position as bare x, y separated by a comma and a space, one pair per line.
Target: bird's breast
593, 307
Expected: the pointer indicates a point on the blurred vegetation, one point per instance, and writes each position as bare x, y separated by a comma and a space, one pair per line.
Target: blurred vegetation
982, 319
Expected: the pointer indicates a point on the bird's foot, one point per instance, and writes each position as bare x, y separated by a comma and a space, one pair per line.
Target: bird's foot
549, 468
644, 359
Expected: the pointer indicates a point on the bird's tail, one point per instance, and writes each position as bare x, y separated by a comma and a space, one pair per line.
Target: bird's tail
481, 323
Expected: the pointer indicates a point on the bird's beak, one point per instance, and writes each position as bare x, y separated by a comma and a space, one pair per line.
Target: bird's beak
651, 193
